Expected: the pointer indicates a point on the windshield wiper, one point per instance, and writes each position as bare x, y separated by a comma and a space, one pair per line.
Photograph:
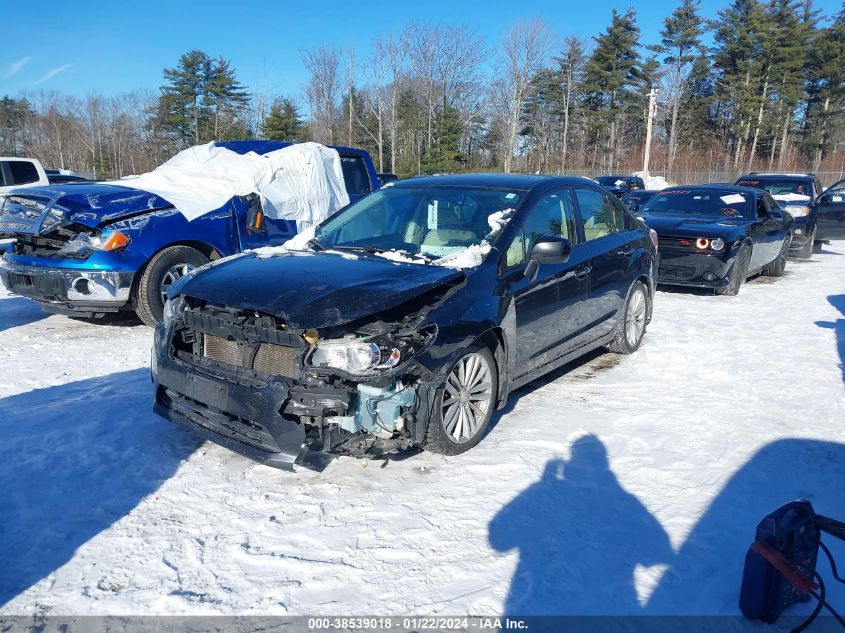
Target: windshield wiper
313, 243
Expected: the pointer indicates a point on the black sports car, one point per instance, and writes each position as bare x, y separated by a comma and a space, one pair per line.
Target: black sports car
717, 236
408, 318
636, 198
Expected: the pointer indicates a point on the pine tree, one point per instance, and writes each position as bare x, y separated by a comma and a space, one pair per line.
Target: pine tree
823, 125
610, 78
444, 155
284, 122
743, 60
202, 100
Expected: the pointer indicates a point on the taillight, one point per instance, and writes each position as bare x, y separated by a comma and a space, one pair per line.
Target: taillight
653, 235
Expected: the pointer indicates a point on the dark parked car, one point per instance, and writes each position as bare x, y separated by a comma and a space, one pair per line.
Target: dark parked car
55, 177
633, 200
830, 208
412, 316
796, 194
620, 185
716, 236
386, 177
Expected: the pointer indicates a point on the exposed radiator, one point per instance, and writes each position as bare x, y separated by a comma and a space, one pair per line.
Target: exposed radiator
276, 360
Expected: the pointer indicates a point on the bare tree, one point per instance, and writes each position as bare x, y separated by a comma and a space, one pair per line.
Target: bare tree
523, 53
323, 63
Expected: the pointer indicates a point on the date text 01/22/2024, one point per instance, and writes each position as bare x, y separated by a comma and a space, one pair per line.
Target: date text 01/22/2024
417, 624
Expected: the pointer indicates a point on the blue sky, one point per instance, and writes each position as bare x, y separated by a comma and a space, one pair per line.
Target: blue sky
114, 47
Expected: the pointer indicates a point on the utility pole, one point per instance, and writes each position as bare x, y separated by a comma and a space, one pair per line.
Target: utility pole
652, 95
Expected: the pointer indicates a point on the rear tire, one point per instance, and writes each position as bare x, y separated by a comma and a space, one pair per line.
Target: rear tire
630, 327
163, 269
806, 251
777, 267
465, 403
738, 274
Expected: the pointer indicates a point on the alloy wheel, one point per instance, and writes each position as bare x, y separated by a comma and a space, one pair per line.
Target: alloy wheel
635, 318
171, 276
467, 397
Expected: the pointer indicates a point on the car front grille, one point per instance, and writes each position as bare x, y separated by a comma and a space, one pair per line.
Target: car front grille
670, 242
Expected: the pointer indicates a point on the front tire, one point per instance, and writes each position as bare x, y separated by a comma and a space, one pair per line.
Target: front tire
738, 273
464, 404
806, 251
630, 328
161, 271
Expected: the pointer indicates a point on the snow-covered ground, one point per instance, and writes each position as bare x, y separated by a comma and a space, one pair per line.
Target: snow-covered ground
621, 485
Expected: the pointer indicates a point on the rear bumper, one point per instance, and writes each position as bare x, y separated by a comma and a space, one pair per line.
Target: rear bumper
69, 291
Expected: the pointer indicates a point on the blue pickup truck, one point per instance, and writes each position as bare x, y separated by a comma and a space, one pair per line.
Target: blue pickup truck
88, 249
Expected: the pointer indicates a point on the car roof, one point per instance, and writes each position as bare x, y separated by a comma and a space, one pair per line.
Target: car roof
772, 174
263, 146
729, 188
495, 180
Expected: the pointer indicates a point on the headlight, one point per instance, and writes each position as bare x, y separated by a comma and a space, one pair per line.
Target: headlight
797, 210
702, 243
348, 354
356, 355
109, 241
717, 244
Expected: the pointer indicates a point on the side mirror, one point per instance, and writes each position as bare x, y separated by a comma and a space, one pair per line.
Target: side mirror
551, 250
547, 250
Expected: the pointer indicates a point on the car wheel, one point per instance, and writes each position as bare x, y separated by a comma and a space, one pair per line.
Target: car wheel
739, 271
817, 247
806, 251
630, 327
777, 267
161, 271
464, 404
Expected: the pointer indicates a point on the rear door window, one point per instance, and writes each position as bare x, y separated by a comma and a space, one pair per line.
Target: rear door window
355, 175
600, 215
23, 172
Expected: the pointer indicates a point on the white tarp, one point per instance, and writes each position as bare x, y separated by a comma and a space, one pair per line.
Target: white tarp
301, 182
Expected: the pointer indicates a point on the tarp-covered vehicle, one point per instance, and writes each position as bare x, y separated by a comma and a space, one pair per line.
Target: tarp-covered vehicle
91, 249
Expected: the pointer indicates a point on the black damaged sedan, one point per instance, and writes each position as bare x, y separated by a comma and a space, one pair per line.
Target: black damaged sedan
716, 236
406, 320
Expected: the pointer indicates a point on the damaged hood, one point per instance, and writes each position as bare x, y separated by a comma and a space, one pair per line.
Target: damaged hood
37, 209
314, 290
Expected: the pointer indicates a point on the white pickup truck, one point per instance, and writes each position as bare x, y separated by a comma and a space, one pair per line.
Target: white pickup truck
21, 172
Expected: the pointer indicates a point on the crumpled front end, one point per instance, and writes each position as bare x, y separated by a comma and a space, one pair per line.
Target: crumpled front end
245, 380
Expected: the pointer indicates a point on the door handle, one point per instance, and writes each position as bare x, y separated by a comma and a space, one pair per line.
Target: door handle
582, 271
626, 253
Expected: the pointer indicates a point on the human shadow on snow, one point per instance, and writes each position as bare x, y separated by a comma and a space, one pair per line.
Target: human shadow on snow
838, 326
74, 459
580, 536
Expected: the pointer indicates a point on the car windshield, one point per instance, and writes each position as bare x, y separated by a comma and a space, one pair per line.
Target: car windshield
611, 181
718, 202
782, 187
441, 223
